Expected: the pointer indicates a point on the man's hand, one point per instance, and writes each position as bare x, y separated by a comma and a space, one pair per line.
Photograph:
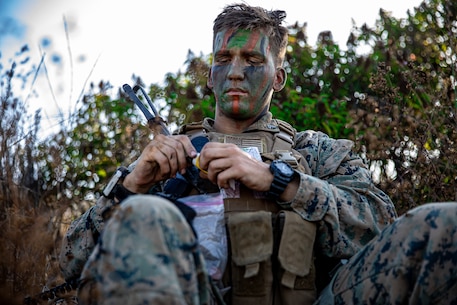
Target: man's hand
224, 162
161, 159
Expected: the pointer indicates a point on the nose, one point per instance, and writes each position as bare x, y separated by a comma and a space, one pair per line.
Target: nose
236, 71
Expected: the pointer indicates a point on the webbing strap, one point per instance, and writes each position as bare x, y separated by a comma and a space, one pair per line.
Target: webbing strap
244, 204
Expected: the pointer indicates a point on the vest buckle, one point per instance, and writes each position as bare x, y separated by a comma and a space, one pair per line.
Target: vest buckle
287, 156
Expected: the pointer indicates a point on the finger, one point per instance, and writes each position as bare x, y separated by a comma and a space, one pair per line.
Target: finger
216, 167
224, 179
154, 161
188, 151
172, 158
176, 151
213, 151
180, 152
155, 158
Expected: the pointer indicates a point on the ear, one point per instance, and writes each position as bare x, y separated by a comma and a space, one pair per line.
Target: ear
209, 81
280, 79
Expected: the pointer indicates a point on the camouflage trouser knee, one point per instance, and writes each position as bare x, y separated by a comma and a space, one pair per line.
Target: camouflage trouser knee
147, 254
413, 261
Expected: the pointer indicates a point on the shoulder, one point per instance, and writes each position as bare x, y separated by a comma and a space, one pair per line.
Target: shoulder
196, 127
322, 140
327, 151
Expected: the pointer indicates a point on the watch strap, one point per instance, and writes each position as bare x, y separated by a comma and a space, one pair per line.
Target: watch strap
277, 187
280, 181
121, 193
119, 175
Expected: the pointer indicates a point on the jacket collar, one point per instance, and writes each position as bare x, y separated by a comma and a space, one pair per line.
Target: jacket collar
264, 123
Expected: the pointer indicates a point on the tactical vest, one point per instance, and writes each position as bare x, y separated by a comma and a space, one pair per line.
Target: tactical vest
271, 250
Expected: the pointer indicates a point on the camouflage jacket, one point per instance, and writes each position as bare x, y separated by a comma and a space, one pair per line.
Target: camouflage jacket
336, 191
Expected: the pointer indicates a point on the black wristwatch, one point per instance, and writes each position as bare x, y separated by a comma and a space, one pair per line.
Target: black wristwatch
283, 174
114, 189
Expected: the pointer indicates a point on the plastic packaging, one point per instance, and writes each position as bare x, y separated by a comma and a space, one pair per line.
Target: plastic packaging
210, 227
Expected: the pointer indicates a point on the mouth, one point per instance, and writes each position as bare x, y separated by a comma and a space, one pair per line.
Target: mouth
236, 92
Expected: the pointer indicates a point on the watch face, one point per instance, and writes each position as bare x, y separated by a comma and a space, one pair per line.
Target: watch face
284, 168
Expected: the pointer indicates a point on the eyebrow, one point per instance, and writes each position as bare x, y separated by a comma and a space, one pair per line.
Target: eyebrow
243, 53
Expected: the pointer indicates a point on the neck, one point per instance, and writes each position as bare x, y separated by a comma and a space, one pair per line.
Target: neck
229, 126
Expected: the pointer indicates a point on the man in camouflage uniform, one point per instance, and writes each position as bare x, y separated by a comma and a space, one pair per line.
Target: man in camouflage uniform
306, 203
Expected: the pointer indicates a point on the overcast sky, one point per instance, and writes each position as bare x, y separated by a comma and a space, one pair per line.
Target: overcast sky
115, 39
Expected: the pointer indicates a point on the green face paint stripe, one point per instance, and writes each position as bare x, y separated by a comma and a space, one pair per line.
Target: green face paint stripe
239, 39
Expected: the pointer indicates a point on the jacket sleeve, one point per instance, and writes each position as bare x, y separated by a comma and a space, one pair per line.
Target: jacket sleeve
338, 193
81, 237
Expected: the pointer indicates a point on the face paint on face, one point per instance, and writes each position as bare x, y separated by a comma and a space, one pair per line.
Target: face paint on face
242, 74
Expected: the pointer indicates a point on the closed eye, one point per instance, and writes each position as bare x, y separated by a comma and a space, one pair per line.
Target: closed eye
222, 58
255, 60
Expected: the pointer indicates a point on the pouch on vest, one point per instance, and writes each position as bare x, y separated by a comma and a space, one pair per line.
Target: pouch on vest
296, 251
251, 236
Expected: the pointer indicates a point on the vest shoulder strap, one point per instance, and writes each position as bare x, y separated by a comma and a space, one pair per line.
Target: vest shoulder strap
285, 138
192, 129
